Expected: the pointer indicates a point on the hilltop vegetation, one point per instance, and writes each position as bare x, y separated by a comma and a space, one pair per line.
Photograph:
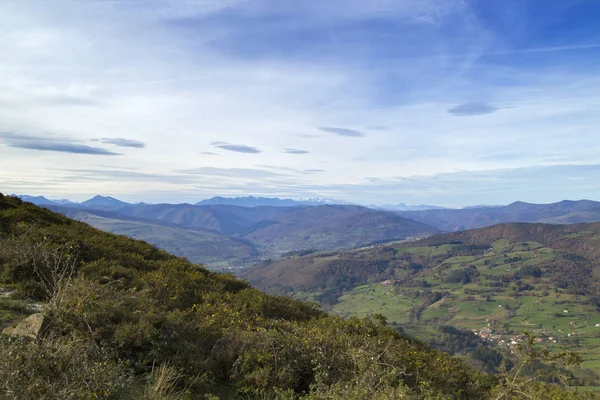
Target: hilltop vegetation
499, 281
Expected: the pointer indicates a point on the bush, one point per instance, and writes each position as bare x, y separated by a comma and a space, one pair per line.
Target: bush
59, 369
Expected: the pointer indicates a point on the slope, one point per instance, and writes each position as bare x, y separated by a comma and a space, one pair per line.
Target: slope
499, 281
333, 226
126, 320
225, 219
272, 230
198, 246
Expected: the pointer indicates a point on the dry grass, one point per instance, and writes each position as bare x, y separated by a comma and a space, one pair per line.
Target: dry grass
164, 384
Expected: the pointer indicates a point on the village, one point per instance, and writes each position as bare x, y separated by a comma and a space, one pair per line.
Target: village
511, 340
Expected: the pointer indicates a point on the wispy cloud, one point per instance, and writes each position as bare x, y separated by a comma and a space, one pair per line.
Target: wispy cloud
124, 142
62, 148
99, 175
549, 49
308, 135
295, 151
279, 168
473, 108
231, 172
343, 131
238, 148
39, 143
262, 77
208, 153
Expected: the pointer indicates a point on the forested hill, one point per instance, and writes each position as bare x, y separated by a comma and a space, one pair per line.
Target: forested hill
569, 255
498, 282
128, 321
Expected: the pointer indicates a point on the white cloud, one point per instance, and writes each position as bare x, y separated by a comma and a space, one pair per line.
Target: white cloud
129, 69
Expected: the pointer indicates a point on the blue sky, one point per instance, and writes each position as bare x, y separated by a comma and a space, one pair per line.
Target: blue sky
449, 102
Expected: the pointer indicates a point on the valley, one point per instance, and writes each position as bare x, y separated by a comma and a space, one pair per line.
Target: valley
484, 288
235, 233
497, 282
231, 237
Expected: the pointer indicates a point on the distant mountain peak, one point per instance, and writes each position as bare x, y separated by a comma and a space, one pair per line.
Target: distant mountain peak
406, 207
253, 201
38, 200
322, 200
103, 201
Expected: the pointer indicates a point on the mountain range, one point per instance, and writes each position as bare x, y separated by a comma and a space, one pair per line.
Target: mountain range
564, 212
407, 207
223, 235
251, 201
231, 236
246, 201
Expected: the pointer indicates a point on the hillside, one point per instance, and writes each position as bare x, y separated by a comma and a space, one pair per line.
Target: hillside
564, 212
125, 320
333, 226
198, 246
282, 229
242, 234
237, 232
499, 281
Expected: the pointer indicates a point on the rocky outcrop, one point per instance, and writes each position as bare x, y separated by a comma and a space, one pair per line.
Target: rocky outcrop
31, 327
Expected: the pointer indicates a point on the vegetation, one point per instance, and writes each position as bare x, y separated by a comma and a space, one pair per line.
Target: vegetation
492, 284
231, 236
197, 245
130, 321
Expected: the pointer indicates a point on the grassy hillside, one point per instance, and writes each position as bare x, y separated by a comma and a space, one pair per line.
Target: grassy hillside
127, 320
499, 281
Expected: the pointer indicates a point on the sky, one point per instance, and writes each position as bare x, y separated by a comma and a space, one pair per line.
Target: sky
446, 102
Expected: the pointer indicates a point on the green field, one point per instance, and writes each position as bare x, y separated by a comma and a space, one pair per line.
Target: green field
560, 319
496, 283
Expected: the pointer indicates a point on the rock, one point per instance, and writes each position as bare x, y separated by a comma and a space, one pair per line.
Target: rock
31, 327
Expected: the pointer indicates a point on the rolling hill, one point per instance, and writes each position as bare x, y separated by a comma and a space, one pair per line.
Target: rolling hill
333, 226
122, 320
497, 281
198, 246
242, 234
566, 211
